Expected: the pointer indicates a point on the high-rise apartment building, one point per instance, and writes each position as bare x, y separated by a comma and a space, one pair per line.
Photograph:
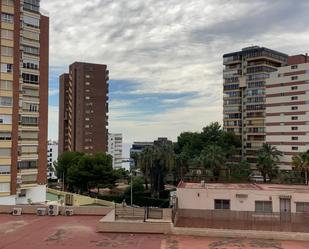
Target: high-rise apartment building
83, 108
115, 149
244, 75
23, 102
287, 109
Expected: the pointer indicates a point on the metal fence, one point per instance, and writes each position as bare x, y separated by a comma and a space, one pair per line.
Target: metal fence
138, 213
243, 220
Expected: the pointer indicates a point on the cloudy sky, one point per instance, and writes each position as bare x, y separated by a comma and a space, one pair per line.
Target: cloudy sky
165, 56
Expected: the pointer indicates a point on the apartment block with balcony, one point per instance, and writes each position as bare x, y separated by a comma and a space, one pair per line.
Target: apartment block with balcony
287, 109
244, 75
83, 108
115, 149
23, 102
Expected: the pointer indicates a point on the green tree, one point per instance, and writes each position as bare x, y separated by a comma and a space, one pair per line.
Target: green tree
137, 186
267, 161
301, 163
213, 158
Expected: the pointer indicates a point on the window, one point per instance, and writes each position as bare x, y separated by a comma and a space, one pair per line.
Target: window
294, 107
27, 165
6, 85
5, 152
294, 77
6, 51
294, 128
8, 2
31, 64
32, 5
294, 118
5, 101
7, 34
263, 206
294, 67
6, 68
31, 22
294, 138
31, 50
30, 121
5, 187
31, 35
5, 119
5, 170
222, 204
87, 83
294, 148
8, 18
30, 107
302, 207
5, 136
30, 78
29, 135
294, 98
31, 92
294, 87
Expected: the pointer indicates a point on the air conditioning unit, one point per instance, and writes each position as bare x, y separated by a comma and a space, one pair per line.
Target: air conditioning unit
41, 211
68, 212
53, 210
16, 211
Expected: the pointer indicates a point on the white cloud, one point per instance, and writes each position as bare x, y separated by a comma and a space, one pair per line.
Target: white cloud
170, 46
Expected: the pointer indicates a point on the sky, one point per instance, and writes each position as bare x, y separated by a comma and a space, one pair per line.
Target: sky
165, 56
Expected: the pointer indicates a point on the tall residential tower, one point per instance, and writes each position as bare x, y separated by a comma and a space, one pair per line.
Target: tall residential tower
23, 102
83, 108
244, 77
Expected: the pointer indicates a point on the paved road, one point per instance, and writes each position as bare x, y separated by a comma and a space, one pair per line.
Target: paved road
79, 232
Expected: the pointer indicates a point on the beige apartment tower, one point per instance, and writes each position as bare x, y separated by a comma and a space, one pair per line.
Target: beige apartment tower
287, 109
23, 102
83, 108
244, 75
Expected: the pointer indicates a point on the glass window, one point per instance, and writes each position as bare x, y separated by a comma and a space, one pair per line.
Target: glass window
5, 119
8, 18
5, 170
7, 2
7, 34
31, 22
30, 78
31, 64
222, 204
27, 165
30, 121
263, 206
32, 5
5, 152
6, 68
5, 136
5, 101
294, 77
5, 187
31, 50
31, 35
6, 85
302, 207
6, 51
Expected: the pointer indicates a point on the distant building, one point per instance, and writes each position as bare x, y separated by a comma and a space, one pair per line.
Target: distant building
83, 108
287, 106
52, 156
23, 102
244, 74
138, 147
115, 149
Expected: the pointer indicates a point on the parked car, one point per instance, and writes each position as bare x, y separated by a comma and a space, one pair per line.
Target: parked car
257, 177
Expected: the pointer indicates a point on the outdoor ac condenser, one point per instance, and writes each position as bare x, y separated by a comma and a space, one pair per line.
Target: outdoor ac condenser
41, 211
16, 211
53, 210
68, 212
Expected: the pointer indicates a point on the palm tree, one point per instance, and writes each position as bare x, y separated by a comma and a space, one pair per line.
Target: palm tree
301, 163
267, 161
213, 157
144, 162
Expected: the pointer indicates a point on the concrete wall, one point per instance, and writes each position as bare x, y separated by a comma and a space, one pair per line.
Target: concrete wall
31, 209
203, 198
36, 194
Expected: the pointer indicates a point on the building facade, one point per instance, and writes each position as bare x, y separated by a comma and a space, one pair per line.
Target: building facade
23, 102
115, 149
52, 156
83, 108
244, 75
287, 109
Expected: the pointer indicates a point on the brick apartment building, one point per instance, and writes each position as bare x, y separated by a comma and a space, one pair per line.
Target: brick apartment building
83, 108
23, 102
287, 109
244, 74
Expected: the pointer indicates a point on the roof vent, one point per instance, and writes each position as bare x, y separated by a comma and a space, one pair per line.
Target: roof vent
203, 184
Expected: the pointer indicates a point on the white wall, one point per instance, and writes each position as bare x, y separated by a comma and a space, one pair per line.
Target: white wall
36, 194
7, 200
